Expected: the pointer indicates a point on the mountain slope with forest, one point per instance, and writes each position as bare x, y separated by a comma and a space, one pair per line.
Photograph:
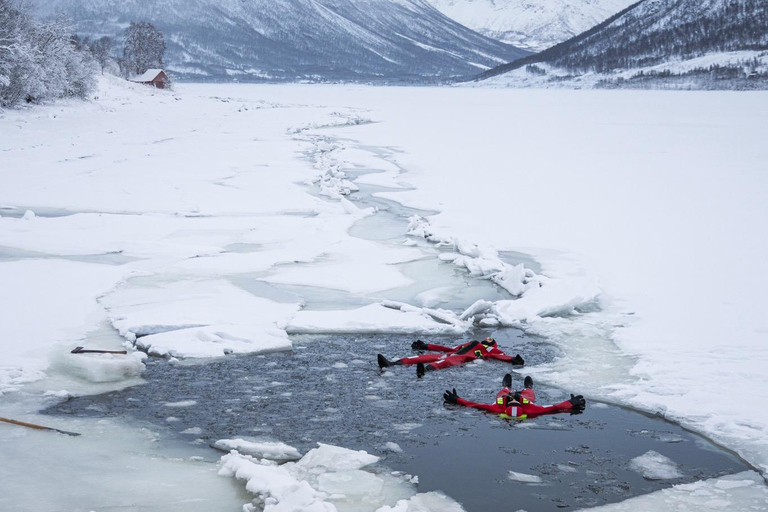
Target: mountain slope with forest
704, 40
381, 40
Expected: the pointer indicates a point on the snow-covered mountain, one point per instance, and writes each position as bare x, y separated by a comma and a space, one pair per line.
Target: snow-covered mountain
383, 40
720, 40
532, 24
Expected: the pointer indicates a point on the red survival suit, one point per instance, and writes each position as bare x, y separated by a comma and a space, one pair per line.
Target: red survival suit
509, 406
461, 354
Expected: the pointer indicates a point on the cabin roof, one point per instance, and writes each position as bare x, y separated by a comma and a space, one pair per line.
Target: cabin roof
148, 76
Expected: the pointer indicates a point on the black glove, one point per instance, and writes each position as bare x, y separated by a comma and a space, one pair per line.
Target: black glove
451, 397
517, 360
578, 402
419, 345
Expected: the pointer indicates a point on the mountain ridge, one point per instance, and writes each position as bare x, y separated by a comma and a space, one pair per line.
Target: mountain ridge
658, 37
530, 24
295, 40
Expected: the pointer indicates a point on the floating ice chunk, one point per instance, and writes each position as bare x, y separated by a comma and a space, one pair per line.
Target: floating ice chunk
270, 450
280, 491
405, 427
182, 403
339, 365
29, 215
193, 430
568, 468
425, 502
329, 477
393, 447
62, 395
524, 478
334, 458
655, 466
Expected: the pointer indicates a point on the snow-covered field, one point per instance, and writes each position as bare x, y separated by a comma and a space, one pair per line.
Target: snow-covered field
646, 211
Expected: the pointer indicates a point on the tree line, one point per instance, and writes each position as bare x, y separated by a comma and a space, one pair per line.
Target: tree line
43, 60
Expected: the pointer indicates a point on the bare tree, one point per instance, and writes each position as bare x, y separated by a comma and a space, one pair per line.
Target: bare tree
102, 51
144, 47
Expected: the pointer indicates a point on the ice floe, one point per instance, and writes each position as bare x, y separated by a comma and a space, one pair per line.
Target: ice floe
327, 479
524, 477
655, 466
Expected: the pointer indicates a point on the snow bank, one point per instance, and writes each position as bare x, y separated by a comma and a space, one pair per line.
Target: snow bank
655, 466
327, 477
478, 261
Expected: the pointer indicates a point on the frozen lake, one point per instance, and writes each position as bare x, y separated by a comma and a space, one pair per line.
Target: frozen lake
228, 219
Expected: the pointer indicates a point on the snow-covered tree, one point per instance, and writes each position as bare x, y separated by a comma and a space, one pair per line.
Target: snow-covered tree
144, 48
39, 60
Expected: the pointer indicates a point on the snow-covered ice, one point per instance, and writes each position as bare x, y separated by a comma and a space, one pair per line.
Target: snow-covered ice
262, 449
329, 478
744, 491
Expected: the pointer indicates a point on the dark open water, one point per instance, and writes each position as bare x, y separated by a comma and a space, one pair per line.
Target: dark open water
330, 390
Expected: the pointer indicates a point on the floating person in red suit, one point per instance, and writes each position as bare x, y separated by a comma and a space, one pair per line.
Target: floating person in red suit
519, 404
469, 351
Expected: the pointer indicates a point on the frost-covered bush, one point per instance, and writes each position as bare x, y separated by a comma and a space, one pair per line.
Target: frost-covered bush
39, 60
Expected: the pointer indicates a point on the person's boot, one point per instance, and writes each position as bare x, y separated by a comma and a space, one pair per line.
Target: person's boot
528, 382
383, 362
506, 382
518, 361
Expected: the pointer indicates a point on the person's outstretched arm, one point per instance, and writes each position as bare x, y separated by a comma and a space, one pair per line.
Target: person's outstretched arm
575, 404
452, 398
501, 356
420, 345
